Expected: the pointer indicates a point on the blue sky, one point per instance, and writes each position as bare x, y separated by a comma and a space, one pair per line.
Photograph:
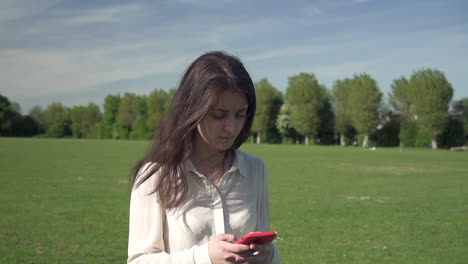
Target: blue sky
78, 52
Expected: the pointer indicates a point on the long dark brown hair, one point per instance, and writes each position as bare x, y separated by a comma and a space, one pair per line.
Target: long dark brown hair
203, 81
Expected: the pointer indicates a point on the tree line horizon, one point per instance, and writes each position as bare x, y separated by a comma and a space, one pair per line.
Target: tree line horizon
351, 112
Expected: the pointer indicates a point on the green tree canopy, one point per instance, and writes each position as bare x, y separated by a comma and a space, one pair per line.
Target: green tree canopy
139, 128
126, 115
84, 120
284, 123
37, 114
269, 101
57, 120
340, 94
6, 114
111, 108
431, 94
305, 95
399, 98
12, 123
326, 130
157, 104
460, 110
78, 127
364, 102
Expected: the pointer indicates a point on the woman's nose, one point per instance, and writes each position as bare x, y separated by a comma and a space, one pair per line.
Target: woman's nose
229, 124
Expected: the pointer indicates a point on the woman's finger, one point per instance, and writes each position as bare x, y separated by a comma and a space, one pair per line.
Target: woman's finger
227, 237
236, 248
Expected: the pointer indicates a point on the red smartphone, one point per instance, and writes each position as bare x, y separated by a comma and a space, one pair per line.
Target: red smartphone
257, 238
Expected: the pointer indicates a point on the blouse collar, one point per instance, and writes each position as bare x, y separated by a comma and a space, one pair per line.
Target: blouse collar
237, 165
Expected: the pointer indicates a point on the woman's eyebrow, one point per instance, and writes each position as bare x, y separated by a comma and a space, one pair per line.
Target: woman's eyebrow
225, 110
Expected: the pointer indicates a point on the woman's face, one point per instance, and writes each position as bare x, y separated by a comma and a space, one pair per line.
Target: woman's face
224, 121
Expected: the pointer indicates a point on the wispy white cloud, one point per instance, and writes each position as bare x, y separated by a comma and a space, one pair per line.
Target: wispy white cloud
18, 9
360, 1
205, 3
289, 51
312, 10
385, 57
105, 14
38, 71
33, 73
61, 52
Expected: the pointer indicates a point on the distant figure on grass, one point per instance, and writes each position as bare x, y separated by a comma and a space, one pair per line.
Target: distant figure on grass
195, 193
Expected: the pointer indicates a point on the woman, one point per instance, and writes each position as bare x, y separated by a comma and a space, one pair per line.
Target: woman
195, 193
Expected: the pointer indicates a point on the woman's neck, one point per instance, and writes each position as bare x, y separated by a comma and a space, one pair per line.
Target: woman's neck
204, 156
208, 159
210, 162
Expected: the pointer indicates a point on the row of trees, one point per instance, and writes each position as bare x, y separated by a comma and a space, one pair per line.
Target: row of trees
352, 111
417, 112
129, 116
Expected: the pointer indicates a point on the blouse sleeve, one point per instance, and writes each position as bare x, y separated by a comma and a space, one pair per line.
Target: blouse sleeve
146, 232
263, 219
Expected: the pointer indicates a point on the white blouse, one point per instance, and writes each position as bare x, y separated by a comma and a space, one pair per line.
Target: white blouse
239, 205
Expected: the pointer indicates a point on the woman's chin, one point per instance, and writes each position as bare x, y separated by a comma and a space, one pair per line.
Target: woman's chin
224, 146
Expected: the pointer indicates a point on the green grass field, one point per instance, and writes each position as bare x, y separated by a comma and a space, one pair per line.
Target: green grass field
66, 201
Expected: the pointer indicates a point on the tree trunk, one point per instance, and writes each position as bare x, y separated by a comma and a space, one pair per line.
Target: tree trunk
434, 142
307, 139
342, 140
259, 137
252, 139
365, 144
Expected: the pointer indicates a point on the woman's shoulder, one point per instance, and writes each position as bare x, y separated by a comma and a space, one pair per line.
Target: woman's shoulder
249, 162
146, 167
145, 178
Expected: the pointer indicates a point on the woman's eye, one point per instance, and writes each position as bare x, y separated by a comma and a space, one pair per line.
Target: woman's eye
218, 116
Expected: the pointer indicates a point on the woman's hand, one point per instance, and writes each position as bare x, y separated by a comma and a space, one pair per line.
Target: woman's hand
261, 254
222, 250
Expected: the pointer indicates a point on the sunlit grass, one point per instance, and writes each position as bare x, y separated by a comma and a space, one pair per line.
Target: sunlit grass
66, 201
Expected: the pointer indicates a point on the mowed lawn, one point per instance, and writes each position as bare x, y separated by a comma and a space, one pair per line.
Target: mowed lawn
66, 201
